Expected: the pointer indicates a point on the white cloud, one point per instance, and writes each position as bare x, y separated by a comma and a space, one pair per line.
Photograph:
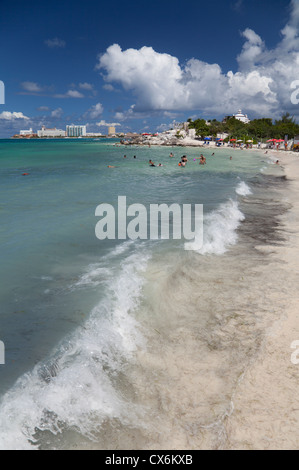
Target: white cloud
95, 111
86, 86
70, 94
107, 124
74, 94
55, 43
108, 87
8, 116
32, 87
252, 50
158, 82
57, 113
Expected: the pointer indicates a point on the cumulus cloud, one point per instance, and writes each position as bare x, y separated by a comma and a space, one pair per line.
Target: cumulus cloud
57, 113
86, 86
158, 82
74, 94
8, 116
32, 87
95, 111
108, 87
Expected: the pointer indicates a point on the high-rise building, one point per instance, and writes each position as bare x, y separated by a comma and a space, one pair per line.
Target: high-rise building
75, 131
111, 130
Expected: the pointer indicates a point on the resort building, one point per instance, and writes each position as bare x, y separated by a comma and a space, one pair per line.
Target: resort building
26, 132
241, 117
76, 131
50, 133
111, 130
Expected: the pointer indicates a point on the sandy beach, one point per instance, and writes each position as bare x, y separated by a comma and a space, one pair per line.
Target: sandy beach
265, 413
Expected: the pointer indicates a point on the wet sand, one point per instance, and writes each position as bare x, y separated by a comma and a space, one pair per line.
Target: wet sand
265, 405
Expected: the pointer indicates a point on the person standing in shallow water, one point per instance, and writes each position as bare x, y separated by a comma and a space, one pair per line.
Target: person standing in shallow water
202, 160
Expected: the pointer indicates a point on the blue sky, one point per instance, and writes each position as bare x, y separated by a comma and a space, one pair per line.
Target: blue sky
142, 65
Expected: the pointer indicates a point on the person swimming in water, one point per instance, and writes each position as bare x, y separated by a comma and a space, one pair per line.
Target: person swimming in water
151, 163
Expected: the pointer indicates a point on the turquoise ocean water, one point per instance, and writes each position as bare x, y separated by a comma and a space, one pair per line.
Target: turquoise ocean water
97, 333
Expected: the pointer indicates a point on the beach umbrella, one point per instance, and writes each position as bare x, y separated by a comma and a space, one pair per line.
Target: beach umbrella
249, 141
280, 140
207, 138
240, 140
271, 140
232, 140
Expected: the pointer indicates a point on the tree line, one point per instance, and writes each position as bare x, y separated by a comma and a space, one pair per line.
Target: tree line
257, 129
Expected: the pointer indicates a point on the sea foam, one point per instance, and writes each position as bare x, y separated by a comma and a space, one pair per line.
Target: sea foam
220, 229
243, 189
74, 389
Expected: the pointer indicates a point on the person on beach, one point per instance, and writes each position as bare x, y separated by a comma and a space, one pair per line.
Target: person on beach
171, 155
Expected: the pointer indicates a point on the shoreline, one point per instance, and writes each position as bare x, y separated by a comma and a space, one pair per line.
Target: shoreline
264, 413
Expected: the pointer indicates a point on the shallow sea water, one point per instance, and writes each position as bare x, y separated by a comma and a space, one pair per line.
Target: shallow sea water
130, 344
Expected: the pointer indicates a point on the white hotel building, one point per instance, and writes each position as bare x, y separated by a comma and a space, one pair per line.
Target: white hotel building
26, 132
242, 117
75, 131
50, 133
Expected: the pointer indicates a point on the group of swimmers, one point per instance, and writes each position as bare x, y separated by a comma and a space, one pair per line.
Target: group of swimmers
202, 160
151, 163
